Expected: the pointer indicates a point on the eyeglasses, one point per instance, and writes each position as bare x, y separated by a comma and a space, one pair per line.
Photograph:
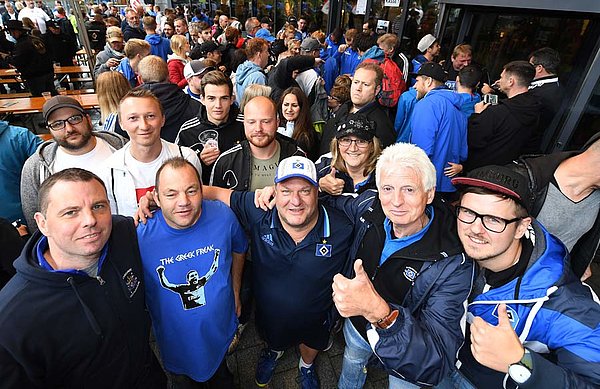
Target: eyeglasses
491, 223
360, 143
60, 124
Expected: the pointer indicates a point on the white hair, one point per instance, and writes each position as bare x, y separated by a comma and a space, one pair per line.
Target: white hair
406, 155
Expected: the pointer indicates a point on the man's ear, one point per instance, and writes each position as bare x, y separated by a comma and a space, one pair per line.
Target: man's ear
522, 226
156, 199
40, 220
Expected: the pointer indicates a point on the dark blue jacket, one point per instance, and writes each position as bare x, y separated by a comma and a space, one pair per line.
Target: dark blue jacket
553, 314
421, 345
69, 330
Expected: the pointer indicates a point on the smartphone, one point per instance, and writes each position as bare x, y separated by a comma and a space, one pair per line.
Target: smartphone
490, 99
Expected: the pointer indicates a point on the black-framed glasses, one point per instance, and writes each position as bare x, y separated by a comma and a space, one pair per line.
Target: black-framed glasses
60, 124
490, 222
360, 143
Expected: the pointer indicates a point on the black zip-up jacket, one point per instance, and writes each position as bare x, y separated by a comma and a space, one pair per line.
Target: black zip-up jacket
384, 128
31, 57
67, 330
230, 133
539, 171
233, 170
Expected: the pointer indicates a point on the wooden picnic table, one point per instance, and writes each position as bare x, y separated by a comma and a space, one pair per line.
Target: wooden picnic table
8, 73
34, 104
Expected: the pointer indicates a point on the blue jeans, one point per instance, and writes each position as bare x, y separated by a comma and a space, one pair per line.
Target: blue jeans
356, 355
455, 381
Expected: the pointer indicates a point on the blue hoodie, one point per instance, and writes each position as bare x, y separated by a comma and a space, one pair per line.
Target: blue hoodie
440, 128
349, 61
159, 46
125, 69
373, 53
406, 104
468, 102
248, 73
16, 145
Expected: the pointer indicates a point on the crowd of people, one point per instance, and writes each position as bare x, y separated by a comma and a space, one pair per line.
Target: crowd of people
310, 182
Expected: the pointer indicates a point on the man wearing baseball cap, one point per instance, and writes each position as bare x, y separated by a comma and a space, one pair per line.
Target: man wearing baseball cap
73, 144
208, 50
438, 126
297, 248
193, 72
533, 324
430, 48
111, 56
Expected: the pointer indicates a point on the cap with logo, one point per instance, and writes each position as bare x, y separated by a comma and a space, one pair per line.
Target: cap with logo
310, 44
500, 179
195, 68
433, 70
58, 102
425, 43
357, 125
296, 166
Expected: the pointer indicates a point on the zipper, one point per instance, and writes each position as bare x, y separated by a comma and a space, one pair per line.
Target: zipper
100, 280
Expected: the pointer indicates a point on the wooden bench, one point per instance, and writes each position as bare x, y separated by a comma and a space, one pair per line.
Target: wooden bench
80, 79
14, 95
11, 80
80, 91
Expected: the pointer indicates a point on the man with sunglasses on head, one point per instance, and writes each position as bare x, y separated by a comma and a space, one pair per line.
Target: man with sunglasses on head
73, 144
532, 323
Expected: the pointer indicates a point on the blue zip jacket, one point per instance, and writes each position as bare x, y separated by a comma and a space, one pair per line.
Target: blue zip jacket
248, 73
468, 103
331, 69
406, 104
373, 53
439, 128
421, 345
125, 69
349, 60
159, 46
553, 314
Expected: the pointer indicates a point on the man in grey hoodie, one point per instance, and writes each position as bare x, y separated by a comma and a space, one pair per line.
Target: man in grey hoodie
73, 145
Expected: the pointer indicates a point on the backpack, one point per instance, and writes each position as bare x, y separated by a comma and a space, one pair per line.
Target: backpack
393, 83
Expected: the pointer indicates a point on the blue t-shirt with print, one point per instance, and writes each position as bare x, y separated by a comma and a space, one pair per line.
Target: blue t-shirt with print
189, 288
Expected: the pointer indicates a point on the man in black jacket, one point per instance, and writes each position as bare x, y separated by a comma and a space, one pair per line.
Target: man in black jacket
132, 29
178, 106
218, 130
78, 296
31, 59
366, 85
498, 134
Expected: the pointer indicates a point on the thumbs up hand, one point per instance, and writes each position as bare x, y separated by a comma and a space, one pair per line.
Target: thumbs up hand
330, 184
357, 296
496, 346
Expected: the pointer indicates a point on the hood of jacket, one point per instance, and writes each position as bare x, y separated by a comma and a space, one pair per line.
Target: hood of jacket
244, 70
374, 53
524, 108
175, 57
442, 92
153, 39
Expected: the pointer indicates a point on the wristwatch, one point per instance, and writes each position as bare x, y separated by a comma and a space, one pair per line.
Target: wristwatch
387, 321
521, 371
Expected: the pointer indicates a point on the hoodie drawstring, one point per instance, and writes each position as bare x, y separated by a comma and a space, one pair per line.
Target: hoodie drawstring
88, 312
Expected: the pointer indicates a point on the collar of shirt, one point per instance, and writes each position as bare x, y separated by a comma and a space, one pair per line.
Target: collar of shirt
42, 246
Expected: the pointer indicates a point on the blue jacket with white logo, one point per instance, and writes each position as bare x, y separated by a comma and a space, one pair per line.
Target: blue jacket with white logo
421, 345
553, 314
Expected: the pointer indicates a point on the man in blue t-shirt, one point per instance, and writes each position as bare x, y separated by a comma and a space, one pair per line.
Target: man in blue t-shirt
193, 255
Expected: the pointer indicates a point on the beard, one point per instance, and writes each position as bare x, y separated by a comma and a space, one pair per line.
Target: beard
85, 138
263, 141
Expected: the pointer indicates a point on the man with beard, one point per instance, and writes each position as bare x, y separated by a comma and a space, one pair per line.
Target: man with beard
252, 163
111, 56
73, 145
132, 28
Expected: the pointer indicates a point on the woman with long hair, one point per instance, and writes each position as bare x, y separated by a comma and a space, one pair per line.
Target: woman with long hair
176, 61
350, 166
295, 122
110, 88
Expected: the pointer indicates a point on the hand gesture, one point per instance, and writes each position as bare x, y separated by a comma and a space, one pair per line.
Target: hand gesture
265, 198
480, 107
357, 296
145, 207
330, 184
498, 346
209, 155
453, 169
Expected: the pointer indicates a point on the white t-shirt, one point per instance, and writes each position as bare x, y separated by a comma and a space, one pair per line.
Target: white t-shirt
37, 16
144, 173
91, 161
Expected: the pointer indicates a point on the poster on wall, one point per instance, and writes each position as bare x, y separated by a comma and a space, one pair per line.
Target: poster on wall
361, 7
383, 26
391, 3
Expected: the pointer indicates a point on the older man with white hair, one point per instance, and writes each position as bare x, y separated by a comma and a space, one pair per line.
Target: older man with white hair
405, 299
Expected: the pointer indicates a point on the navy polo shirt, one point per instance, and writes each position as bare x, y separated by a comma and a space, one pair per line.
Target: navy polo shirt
293, 282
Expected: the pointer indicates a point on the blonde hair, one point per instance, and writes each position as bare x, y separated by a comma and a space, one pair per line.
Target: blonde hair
135, 46
253, 91
178, 44
110, 87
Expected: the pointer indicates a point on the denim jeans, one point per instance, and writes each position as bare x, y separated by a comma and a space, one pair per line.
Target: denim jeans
356, 355
455, 381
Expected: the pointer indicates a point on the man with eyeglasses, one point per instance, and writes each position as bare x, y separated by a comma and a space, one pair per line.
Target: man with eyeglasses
73, 144
533, 324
